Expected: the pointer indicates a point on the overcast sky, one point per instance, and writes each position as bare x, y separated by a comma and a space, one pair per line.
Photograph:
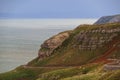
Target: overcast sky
58, 8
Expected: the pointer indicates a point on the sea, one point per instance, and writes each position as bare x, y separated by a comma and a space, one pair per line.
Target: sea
20, 39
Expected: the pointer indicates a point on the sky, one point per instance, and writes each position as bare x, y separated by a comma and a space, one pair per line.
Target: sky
58, 8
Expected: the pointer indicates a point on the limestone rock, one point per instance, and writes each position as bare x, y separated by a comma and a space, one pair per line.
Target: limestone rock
51, 44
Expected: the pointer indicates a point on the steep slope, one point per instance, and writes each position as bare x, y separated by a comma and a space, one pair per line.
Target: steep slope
86, 72
107, 53
74, 55
84, 44
108, 19
51, 44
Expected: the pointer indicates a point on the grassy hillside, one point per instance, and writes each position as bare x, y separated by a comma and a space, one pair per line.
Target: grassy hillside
69, 72
22, 73
69, 54
86, 72
79, 57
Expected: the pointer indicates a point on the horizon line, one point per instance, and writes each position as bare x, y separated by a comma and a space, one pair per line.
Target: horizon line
46, 18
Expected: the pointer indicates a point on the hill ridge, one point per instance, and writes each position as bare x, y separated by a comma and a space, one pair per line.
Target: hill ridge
108, 19
78, 54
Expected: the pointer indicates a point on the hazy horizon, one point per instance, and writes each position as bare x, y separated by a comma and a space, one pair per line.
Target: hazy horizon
21, 38
43, 23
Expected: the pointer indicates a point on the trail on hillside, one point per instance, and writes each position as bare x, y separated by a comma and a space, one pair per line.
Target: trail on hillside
102, 58
25, 66
51, 67
105, 55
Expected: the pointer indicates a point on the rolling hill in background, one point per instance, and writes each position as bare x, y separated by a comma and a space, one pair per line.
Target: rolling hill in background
88, 52
108, 19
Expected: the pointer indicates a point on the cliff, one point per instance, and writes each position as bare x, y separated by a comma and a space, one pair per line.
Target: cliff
51, 44
84, 53
82, 45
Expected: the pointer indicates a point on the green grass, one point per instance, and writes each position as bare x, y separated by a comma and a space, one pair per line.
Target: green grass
81, 73
114, 76
69, 55
110, 75
22, 73
69, 72
89, 76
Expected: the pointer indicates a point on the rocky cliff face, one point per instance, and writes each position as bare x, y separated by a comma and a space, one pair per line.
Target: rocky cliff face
84, 44
108, 19
51, 44
87, 45
87, 39
92, 38
96, 38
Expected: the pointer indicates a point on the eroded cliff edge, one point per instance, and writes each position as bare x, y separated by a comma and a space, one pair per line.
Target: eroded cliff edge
52, 43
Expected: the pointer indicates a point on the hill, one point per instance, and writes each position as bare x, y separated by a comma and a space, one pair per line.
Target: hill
108, 19
82, 45
85, 53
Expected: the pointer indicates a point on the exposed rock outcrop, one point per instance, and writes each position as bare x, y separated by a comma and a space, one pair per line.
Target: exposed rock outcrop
51, 44
108, 19
96, 38
114, 65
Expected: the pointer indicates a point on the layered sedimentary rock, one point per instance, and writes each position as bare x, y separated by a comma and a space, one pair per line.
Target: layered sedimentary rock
96, 38
51, 44
85, 40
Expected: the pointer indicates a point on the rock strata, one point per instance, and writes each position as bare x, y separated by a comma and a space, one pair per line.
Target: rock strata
96, 38
114, 65
51, 44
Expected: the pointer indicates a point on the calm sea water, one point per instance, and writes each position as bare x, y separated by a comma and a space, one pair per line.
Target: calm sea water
20, 39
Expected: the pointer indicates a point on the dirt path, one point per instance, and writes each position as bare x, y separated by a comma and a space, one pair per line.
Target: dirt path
102, 58
105, 55
47, 67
